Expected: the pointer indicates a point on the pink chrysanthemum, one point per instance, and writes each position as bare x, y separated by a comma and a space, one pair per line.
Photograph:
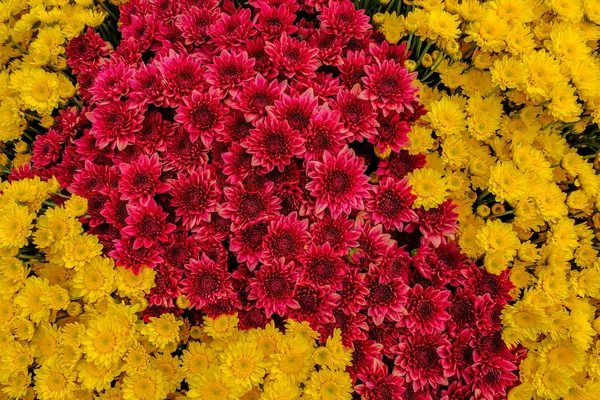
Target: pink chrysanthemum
194, 197
86, 50
298, 110
256, 95
182, 154
232, 30
324, 134
230, 70
338, 183
154, 133
46, 149
357, 115
286, 238
446, 262
426, 310
273, 144
386, 297
338, 232
398, 165
166, 286
352, 70
329, 47
384, 51
457, 390
292, 57
202, 115
263, 64
214, 250
127, 256
342, 19
353, 291
194, 24
246, 206
396, 263
182, 75
140, 181
324, 86
218, 228
378, 384
418, 360
491, 377
461, 311
273, 21
372, 242
313, 304
181, 249
487, 314
352, 326
147, 86
272, 287
321, 266
392, 133
235, 127
364, 353
115, 210
115, 123
205, 283
482, 282
389, 203
388, 86
436, 224
147, 224
112, 83
247, 243
237, 163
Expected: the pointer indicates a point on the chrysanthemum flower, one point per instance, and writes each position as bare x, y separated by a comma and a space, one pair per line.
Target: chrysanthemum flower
246, 206
205, 283
46, 149
247, 243
244, 365
385, 51
491, 377
389, 87
330, 47
364, 352
202, 115
272, 287
298, 110
273, 144
292, 57
194, 197
54, 382
445, 262
373, 243
115, 123
429, 186
392, 133
286, 238
105, 341
357, 115
482, 282
147, 224
353, 292
183, 154
321, 266
324, 134
396, 263
313, 304
194, 24
273, 21
338, 232
389, 203
418, 360
398, 165
112, 83
144, 385
140, 180
378, 384
127, 256
167, 285
437, 224
329, 385
85, 50
95, 281
147, 85
291, 362
232, 29
229, 71
338, 183
343, 19
426, 309
352, 71
182, 75
256, 95
386, 298
162, 331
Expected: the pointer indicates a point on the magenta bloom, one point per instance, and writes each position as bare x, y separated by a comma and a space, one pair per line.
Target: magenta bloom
342, 19
46, 149
140, 181
194, 24
386, 298
147, 86
445, 262
231, 30
184, 155
389, 203
273, 144
357, 115
167, 286
274, 21
272, 287
461, 311
182, 75
247, 243
378, 384
398, 165
338, 232
324, 134
112, 83
229, 71
86, 50
205, 283
292, 57
352, 71
418, 360
256, 96
115, 123
392, 133
353, 291
194, 197
338, 183
492, 376
202, 115
388, 86
426, 310
246, 206
436, 224
321, 266
329, 46
147, 224
314, 304
237, 163
285, 239
127, 256
298, 110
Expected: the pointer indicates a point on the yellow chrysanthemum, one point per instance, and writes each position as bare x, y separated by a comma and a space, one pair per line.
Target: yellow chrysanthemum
94, 281
292, 361
221, 327
162, 331
16, 222
37, 89
429, 186
170, 369
212, 385
132, 285
280, 390
243, 364
147, 385
81, 250
105, 341
329, 385
197, 359
30, 299
267, 339
54, 383
93, 377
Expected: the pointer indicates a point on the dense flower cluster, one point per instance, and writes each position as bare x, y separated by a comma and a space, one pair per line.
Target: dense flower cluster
70, 328
33, 82
516, 82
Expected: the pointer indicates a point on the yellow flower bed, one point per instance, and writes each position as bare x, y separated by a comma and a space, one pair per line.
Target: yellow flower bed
70, 325
506, 83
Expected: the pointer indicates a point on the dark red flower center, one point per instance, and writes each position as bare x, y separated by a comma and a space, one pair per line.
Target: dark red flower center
425, 309
276, 286
206, 284
380, 294
307, 299
253, 236
338, 182
284, 244
142, 181
251, 205
389, 204
462, 313
298, 119
388, 85
149, 227
425, 356
383, 392
276, 144
202, 116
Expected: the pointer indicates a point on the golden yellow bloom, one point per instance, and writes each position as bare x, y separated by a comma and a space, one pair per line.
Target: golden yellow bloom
329, 385
147, 385
81, 250
163, 330
54, 383
292, 361
429, 186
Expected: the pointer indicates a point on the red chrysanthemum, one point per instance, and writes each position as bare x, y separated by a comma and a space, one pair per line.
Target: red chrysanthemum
353, 327
237, 163
182, 154
487, 314
329, 46
182, 75
392, 133
285, 239
482, 282
246, 206
398, 165
205, 283
389, 86
389, 203
298, 110
292, 57
147, 224
201, 114
338, 232
232, 30
461, 311
357, 115
181, 249
324, 86
263, 64
115, 123
324, 134
147, 86
383, 51
112, 83
379, 384
273, 21
272, 287
342, 19
386, 298
457, 390
445, 262
436, 224
126, 256
195, 23
321, 266
386, 335
364, 353
256, 95
338, 183
46, 149
194, 197
115, 210
418, 360
426, 310
491, 377
230, 70
166, 286
396, 263
273, 144
86, 50
353, 291
352, 70
314, 304
373, 243
140, 180
247, 243
218, 227
154, 133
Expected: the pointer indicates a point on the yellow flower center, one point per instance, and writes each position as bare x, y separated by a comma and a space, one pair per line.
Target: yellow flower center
41, 91
216, 391
56, 382
144, 388
266, 345
93, 280
81, 252
198, 363
243, 367
131, 279
165, 328
105, 342
329, 390
291, 363
524, 319
167, 370
47, 345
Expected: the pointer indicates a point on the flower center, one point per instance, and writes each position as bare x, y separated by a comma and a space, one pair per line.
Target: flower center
380, 294
338, 182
